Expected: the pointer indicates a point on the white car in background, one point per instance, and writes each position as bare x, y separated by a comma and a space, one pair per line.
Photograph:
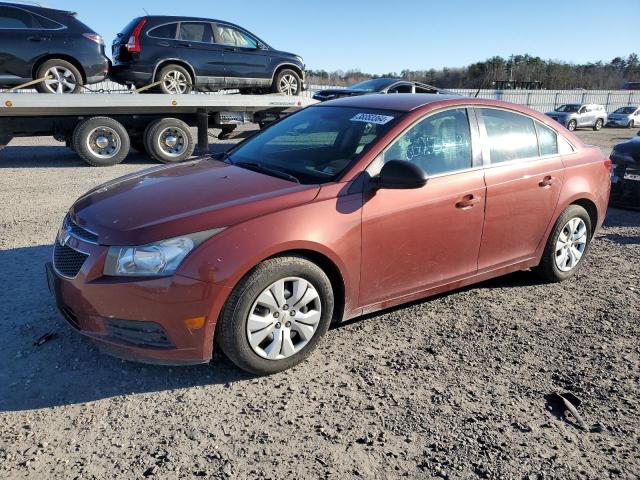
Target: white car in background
628, 116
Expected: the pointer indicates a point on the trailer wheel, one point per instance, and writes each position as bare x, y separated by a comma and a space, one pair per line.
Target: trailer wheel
169, 140
101, 141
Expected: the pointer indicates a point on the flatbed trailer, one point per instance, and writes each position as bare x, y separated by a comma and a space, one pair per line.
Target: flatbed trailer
101, 128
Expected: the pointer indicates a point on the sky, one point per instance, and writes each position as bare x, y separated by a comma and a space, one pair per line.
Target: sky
381, 36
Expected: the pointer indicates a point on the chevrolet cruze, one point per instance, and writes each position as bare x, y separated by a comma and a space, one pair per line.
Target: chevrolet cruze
342, 209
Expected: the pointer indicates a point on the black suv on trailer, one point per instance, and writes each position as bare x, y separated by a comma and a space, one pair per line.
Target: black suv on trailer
202, 54
38, 42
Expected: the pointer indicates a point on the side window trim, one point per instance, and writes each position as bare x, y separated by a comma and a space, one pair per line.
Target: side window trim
35, 17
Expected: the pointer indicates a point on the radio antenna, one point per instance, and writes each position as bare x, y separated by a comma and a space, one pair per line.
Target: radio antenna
145, 11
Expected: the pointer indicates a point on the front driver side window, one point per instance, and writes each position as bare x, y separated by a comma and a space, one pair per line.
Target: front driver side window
440, 143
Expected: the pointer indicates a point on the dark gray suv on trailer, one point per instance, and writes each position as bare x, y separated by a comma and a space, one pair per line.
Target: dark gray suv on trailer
186, 54
38, 42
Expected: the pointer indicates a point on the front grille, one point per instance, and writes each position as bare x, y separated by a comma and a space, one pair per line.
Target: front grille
68, 261
79, 232
138, 333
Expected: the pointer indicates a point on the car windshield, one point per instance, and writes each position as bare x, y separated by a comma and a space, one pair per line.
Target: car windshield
372, 85
315, 145
626, 110
568, 108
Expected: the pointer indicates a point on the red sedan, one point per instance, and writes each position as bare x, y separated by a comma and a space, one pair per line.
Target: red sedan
342, 209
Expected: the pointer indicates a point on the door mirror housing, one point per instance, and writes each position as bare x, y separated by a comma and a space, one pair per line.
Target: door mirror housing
401, 175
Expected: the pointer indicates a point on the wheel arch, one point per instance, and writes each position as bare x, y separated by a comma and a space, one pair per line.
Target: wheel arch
174, 61
592, 210
290, 66
58, 56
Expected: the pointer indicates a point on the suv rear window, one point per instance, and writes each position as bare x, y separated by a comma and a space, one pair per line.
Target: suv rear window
164, 31
16, 18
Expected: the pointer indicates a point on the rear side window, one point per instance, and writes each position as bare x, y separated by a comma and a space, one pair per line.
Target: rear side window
511, 136
196, 32
11, 18
441, 143
164, 31
548, 140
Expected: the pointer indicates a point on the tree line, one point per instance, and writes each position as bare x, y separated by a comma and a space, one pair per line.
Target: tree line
552, 74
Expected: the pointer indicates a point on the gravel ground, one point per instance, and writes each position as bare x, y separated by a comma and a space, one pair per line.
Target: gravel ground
457, 386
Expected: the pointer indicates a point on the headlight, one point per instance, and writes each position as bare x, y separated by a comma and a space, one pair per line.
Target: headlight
156, 259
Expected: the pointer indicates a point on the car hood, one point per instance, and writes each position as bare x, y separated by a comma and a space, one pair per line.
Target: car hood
170, 201
619, 116
627, 152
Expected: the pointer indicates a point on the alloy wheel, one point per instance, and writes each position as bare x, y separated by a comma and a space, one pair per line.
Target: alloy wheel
175, 82
571, 244
288, 85
284, 318
60, 80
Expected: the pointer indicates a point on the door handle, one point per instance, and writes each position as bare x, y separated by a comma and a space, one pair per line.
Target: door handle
164, 44
230, 49
547, 181
469, 201
188, 45
35, 39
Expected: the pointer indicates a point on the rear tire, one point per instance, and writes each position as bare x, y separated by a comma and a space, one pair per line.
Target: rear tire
169, 140
572, 125
294, 330
631, 124
101, 141
598, 125
64, 78
176, 80
564, 244
287, 82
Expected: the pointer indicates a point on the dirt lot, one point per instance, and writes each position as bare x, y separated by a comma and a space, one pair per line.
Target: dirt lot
453, 387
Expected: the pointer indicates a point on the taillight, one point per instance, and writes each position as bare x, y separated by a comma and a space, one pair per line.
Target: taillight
133, 45
94, 37
608, 164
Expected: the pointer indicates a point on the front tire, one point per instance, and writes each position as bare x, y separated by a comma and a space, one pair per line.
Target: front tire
567, 245
572, 125
176, 80
287, 82
276, 315
598, 125
62, 78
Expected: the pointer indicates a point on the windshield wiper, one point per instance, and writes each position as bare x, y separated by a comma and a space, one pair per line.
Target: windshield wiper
257, 167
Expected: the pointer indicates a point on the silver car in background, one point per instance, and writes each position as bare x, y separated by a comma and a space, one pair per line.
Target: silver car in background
578, 115
628, 116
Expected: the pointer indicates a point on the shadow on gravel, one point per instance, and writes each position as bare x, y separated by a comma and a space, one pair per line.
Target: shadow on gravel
62, 157
69, 369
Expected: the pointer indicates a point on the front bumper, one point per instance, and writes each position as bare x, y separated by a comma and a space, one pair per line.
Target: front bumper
138, 319
618, 122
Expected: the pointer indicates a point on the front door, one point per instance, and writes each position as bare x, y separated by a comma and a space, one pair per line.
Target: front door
524, 179
195, 43
416, 239
246, 60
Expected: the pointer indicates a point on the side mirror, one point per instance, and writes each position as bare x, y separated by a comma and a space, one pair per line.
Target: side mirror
401, 175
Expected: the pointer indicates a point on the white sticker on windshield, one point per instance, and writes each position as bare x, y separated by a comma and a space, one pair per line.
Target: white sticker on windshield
372, 118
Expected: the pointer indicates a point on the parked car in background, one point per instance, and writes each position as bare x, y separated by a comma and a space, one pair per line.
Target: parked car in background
186, 54
625, 179
577, 115
38, 42
341, 209
377, 85
628, 116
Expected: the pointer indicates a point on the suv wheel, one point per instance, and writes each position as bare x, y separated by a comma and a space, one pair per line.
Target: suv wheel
276, 315
61, 77
287, 82
572, 125
598, 125
176, 80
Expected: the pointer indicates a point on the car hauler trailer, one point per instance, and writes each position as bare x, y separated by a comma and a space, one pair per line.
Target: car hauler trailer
101, 128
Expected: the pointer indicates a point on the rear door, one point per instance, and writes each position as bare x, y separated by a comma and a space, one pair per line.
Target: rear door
524, 177
247, 62
22, 42
195, 43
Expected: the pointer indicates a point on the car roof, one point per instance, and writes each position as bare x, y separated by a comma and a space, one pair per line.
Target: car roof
174, 18
34, 7
398, 102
